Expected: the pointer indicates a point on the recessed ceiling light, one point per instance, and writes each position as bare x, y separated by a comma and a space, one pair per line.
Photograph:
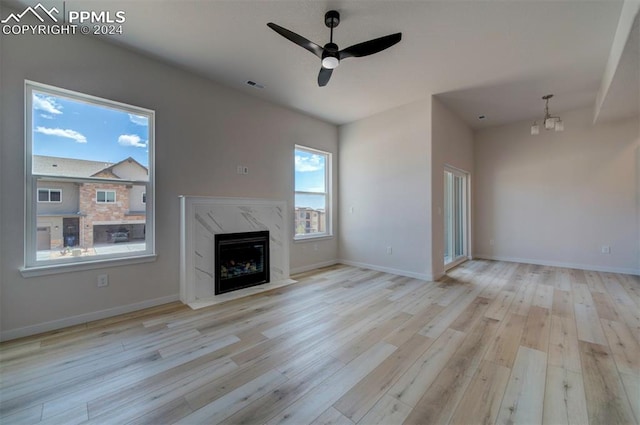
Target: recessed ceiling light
254, 84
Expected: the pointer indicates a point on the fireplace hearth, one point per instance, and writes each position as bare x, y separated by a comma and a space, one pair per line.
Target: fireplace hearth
241, 260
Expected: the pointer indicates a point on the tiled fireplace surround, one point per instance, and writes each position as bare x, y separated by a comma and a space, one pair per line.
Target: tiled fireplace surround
201, 218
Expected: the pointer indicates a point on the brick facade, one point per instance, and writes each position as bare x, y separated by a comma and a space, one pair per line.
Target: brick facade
100, 213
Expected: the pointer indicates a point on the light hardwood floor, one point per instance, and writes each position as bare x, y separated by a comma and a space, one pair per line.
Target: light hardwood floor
493, 342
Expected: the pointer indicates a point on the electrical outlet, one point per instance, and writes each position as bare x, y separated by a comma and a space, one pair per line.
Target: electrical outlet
103, 280
491, 242
389, 250
245, 170
239, 169
606, 249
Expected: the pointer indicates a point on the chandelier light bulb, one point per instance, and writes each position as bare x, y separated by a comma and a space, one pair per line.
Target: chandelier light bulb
535, 129
549, 123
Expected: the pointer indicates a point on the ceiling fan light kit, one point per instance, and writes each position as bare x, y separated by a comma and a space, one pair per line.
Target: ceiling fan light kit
331, 55
549, 121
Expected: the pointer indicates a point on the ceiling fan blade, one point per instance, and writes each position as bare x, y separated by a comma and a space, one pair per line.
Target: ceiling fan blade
298, 39
370, 47
324, 76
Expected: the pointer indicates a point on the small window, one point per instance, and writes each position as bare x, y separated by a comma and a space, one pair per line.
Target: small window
144, 198
50, 195
105, 196
312, 193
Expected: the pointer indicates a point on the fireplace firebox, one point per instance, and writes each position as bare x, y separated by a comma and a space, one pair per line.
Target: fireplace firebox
242, 260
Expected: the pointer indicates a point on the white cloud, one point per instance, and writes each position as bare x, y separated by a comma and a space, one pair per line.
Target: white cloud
309, 163
47, 104
69, 134
131, 140
49, 117
138, 119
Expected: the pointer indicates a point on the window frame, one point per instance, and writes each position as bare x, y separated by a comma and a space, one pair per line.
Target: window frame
106, 199
49, 201
327, 194
34, 267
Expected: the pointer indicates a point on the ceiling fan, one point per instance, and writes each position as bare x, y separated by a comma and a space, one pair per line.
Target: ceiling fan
330, 54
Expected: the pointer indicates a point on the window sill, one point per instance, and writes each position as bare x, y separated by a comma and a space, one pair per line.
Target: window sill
312, 238
88, 265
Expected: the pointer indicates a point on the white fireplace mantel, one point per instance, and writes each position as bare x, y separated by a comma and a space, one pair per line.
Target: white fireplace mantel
201, 218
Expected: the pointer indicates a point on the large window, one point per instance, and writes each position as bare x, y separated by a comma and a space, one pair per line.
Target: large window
312, 193
100, 154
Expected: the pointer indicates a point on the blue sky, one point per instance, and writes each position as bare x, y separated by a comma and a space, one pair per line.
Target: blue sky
309, 175
68, 128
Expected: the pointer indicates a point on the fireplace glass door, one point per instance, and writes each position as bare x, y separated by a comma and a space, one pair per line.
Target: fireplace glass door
242, 260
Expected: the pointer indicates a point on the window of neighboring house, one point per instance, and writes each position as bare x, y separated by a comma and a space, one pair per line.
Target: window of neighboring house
144, 198
312, 193
50, 195
105, 196
83, 144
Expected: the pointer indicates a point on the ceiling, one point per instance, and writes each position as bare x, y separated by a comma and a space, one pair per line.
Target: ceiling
492, 58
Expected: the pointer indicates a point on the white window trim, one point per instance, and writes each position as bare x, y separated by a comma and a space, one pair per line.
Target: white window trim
49, 190
115, 196
328, 195
32, 267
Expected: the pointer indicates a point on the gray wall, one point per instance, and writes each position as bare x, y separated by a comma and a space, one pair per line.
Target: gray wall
385, 191
557, 198
391, 186
135, 198
203, 131
451, 144
70, 198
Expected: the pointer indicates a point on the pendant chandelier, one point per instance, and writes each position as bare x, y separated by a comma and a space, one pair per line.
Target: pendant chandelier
550, 122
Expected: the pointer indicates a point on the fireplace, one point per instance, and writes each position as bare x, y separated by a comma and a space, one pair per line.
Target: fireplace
241, 260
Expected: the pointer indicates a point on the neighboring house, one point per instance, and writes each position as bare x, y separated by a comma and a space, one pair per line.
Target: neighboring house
309, 220
81, 213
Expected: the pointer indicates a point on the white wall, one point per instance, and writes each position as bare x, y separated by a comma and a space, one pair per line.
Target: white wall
203, 131
559, 197
451, 144
385, 191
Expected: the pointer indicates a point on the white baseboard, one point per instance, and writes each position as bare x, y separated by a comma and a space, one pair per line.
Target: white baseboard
438, 277
590, 267
313, 266
421, 276
84, 318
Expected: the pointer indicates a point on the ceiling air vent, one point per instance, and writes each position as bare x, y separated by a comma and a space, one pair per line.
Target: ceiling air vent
254, 84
